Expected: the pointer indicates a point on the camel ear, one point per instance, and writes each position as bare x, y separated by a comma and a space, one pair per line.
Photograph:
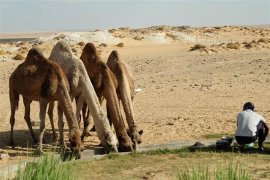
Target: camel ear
140, 132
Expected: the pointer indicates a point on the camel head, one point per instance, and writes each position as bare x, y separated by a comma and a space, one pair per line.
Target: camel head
110, 142
125, 144
135, 137
90, 53
113, 59
75, 142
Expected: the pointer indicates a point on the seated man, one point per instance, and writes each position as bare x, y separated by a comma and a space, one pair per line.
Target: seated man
250, 126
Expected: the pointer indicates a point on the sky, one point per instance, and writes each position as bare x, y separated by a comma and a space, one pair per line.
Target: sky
71, 15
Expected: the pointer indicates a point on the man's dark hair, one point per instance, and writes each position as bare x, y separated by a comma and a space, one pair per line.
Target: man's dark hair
248, 105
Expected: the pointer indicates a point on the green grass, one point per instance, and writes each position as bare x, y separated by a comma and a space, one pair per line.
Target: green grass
203, 163
231, 171
46, 168
216, 136
186, 163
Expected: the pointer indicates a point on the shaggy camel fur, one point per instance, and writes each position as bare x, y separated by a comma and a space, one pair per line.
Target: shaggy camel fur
38, 79
82, 88
125, 92
104, 83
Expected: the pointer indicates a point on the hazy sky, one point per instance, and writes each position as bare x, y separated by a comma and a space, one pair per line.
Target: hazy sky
45, 15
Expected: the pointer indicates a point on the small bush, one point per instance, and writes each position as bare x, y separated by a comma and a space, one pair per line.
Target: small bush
263, 40
103, 45
197, 46
82, 44
120, 44
138, 38
171, 36
233, 45
19, 56
161, 28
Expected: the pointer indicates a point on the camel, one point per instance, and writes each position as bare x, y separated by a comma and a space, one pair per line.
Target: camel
39, 79
105, 84
125, 93
82, 89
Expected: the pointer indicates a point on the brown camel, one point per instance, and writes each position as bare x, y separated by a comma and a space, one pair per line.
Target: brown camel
39, 79
125, 92
104, 83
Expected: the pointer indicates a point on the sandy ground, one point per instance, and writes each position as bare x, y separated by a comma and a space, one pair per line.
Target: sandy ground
185, 94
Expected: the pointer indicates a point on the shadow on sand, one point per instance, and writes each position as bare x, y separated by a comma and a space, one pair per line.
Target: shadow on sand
24, 145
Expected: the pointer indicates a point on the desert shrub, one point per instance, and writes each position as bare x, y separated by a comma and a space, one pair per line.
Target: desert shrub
235, 45
112, 30
251, 44
18, 56
138, 38
82, 44
161, 28
197, 46
120, 44
171, 36
263, 40
48, 167
103, 45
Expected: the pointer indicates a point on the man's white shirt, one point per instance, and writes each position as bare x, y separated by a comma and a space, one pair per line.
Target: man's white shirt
247, 122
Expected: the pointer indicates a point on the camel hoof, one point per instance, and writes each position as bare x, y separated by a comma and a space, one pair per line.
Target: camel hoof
11, 143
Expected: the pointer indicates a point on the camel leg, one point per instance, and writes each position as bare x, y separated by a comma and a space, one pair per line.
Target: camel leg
12, 122
61, 127
27, 104
42, 114
50, 114
109, 115
101, 99
79, 105
78, 116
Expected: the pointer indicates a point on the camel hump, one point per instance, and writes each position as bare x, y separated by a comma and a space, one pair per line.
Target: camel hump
62, 45
90, 48
35, 54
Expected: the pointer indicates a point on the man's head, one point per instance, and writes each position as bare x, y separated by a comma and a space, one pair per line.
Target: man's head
248, 105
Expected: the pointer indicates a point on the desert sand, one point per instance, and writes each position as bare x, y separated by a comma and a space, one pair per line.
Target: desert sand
190, 82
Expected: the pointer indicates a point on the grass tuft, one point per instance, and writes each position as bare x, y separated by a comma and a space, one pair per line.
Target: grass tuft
48, 167
230, 171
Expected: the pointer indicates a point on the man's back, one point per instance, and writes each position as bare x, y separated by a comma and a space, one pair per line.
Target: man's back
247, 122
